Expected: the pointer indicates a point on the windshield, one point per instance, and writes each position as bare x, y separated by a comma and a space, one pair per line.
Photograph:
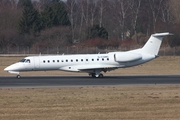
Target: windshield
23, 60
28, 61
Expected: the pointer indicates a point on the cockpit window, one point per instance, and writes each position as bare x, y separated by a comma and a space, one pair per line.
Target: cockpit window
28, 61
23, 60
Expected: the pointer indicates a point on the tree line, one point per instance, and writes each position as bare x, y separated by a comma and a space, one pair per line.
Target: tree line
55, 23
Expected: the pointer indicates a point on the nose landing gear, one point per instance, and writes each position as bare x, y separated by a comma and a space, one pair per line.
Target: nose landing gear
15, 72
18, 76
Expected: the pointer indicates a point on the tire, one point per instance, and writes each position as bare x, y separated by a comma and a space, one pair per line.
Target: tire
18, 76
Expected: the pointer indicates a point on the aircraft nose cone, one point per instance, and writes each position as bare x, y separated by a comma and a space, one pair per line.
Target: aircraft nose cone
6, 69
11, 67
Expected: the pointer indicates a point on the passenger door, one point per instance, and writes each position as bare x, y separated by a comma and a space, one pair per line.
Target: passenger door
36, 62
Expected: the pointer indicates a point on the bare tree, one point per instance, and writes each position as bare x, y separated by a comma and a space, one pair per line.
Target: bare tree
102, 8
121, 9
41, 4
93, 12
9, 14
81, 16
175, 10
165, 13
84, 4
135, 9
84, 14
13, 4
71, 4
155, 6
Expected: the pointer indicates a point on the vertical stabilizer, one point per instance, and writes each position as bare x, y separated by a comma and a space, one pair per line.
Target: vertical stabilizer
153, 44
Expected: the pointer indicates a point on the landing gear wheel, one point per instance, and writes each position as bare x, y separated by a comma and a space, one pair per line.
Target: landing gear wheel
93, 75
18, 76
101, 76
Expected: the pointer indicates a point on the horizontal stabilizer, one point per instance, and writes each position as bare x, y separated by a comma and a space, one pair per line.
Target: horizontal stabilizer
161, 34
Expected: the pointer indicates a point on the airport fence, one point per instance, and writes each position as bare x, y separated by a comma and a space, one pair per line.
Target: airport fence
164, 51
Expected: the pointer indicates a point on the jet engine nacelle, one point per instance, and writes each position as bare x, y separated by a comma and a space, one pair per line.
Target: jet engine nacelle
127, 57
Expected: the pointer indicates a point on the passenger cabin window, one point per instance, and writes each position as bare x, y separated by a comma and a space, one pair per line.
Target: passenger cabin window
108, 59
71, 60
76, 60
81, 60
53, 60
48, 61
44, 61
57, 60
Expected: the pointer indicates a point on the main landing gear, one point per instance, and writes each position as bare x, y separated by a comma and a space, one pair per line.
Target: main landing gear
94, 75
18, 76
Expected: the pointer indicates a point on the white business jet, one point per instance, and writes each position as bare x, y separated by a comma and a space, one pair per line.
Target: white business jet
93, 64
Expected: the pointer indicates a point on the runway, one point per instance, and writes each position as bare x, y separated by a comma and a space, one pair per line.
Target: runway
69, 81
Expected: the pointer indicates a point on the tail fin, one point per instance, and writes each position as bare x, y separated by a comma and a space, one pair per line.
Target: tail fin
153, 44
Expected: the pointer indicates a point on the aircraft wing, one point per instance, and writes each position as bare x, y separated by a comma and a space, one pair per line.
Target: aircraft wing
89, 68
92, 68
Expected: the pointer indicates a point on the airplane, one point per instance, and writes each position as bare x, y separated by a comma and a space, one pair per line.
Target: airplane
93, 64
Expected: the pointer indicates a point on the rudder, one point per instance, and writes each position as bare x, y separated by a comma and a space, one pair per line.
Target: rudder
153, 44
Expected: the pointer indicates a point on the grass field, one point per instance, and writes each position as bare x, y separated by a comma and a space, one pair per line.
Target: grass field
91, 103
145, 102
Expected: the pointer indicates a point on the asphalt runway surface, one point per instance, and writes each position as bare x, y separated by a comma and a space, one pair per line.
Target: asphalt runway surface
69, 81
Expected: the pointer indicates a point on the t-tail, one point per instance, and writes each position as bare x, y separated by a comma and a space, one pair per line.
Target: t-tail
153, 44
